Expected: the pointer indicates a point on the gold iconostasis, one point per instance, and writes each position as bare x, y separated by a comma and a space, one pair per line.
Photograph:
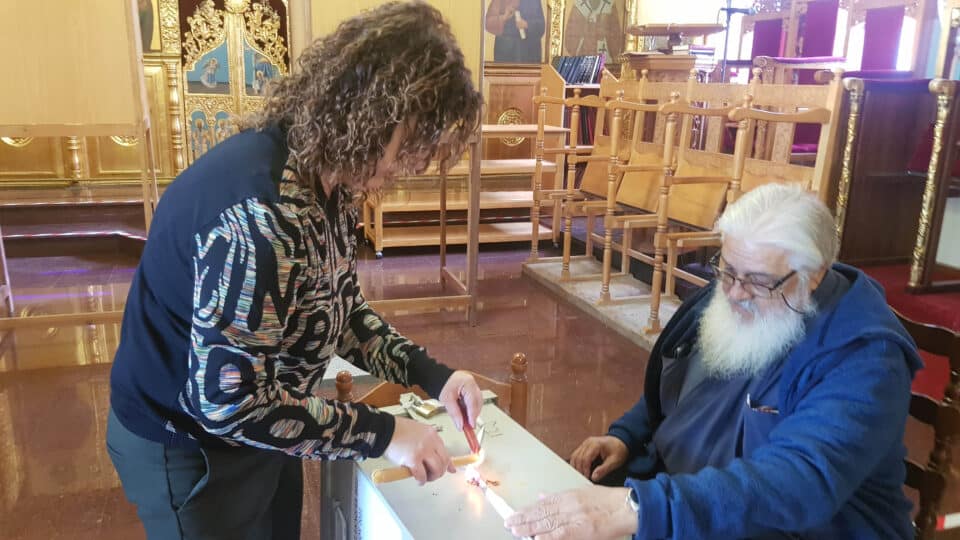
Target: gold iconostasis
207, 62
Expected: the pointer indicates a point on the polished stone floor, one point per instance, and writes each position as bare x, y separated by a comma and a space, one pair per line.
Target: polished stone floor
56, 480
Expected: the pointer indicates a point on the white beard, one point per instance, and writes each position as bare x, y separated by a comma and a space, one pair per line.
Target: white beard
731, 347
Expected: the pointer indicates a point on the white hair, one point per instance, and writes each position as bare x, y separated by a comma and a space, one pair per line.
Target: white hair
788, 217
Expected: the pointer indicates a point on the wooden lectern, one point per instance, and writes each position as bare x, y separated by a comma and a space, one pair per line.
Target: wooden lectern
670, 63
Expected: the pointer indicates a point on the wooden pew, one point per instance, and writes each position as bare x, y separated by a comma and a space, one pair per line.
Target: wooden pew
691, 187
573, 151
810, 105
638, 164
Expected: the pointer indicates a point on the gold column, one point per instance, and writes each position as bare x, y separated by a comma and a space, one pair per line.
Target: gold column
234, 27
557, 9
944, 91
632, 43
855, 87
175, 112
75, 147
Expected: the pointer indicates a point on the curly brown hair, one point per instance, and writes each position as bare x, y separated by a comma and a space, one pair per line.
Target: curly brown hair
397, 63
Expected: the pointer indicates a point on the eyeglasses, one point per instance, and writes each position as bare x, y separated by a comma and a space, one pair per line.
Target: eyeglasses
751, 287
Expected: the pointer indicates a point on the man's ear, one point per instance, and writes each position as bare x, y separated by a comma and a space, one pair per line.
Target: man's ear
817, 277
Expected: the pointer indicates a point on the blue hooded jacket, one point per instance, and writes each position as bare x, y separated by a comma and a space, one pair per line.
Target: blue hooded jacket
828, 465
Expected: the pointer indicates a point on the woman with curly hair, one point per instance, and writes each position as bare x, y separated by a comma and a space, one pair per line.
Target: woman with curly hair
248, 286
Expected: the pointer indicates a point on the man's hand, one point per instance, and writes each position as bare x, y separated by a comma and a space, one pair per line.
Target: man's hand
610, 449
419, 448
594, 512
461, 385
521, 24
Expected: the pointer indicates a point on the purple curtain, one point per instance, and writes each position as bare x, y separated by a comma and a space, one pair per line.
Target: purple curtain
881, 38
819, 28
768, 38
818, 33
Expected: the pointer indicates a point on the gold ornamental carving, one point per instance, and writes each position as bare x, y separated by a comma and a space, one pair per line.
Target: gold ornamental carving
236, 6
207, 29
251, 105
771, 6
855, 88
945, 92
241, 49
126, 141
557, 9
511, 116
169, 26
17, 142
263, 26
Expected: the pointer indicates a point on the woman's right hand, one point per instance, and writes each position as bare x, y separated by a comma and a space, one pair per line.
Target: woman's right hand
418, 447
611, 450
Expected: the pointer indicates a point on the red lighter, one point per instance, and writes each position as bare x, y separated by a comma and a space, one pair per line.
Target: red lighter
468, 431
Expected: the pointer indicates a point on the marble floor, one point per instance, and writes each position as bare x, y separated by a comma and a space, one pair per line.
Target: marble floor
56, 480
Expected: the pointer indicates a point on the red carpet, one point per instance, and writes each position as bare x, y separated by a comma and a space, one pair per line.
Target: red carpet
941, 309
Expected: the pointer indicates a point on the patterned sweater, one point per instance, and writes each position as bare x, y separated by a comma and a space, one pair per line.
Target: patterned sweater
246, 288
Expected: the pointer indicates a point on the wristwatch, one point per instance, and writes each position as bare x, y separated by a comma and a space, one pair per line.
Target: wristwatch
632, 500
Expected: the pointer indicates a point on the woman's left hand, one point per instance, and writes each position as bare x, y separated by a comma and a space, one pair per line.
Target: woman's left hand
461, 385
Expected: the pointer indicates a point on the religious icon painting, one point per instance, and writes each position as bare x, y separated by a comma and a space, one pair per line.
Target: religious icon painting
258, 70
516, 31
592, 27
211, 75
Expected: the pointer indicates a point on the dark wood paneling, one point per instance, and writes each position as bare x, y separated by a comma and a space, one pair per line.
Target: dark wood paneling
884, 199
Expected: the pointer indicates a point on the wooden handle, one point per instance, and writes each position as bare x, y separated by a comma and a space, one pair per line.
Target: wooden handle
382, 476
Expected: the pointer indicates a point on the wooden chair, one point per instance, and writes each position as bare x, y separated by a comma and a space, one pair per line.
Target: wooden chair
871, 26
819, 105
636, 170
573, 151
764, 31
943, 415
693, 181
814, 38
511, 396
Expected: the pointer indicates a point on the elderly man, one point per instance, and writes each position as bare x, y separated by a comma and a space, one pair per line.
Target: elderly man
774, 402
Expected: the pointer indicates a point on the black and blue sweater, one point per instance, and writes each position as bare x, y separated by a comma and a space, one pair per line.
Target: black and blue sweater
246, 288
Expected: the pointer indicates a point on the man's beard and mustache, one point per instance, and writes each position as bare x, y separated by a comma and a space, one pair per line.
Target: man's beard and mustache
731, 347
